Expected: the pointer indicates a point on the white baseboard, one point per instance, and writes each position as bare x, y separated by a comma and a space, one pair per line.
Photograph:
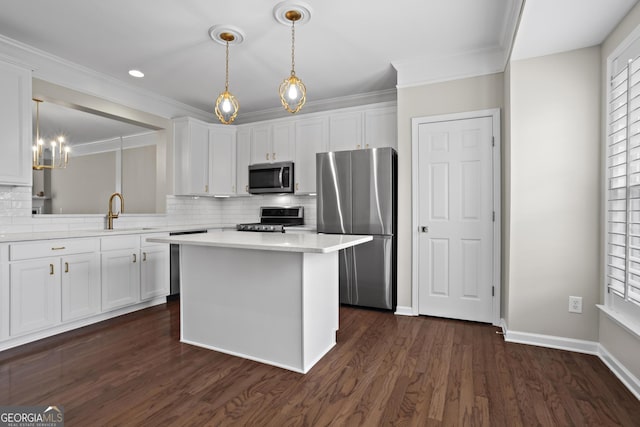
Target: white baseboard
550, 341
404, 311
580, 346
628, 379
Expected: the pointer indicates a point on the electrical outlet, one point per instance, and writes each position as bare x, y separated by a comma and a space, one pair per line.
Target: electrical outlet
575, 304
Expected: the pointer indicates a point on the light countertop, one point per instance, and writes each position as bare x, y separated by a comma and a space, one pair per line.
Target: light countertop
72, 234
283, 242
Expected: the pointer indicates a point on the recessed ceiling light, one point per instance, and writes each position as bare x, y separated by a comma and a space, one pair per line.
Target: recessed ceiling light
136, 73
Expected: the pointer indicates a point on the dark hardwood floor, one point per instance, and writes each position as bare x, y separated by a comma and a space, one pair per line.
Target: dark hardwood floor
385, 370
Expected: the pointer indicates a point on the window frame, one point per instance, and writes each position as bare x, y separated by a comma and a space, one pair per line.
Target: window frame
622, 308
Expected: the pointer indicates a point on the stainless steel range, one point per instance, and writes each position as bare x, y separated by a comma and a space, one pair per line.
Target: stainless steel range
275, 219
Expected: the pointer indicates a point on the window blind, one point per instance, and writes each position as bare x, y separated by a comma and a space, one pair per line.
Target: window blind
623, 184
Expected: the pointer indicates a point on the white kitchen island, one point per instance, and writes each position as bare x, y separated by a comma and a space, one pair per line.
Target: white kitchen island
269, 297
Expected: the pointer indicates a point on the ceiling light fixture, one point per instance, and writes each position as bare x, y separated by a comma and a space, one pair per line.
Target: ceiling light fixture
293, 93
226, 105
45, 157
136, 73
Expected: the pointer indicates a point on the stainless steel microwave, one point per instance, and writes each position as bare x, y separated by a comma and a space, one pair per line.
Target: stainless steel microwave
271, 178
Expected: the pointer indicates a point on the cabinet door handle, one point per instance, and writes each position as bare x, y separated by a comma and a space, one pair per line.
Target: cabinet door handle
273, 156
51, 269
134, 258
366, 146
144, 256
206, 188
233, 188
59, 248
297, 186
267, 156
358, 146
246, 188
66, 267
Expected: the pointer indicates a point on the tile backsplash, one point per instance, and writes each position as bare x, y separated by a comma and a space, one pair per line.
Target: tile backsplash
16, 217
231, 211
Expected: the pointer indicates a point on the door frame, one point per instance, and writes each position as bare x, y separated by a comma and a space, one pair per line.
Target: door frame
494, 113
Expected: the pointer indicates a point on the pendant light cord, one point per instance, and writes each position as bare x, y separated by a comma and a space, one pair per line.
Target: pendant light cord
293, 49
226, 79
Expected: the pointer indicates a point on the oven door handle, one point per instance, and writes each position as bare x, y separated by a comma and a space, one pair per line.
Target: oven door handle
280, 177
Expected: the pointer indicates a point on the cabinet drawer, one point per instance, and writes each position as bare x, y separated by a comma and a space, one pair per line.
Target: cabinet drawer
116, 243
47, 248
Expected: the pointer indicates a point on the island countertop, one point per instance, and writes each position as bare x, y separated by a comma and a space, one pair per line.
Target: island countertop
282, 242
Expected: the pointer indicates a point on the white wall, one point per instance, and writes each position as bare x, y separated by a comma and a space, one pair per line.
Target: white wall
554, 194
85, 185
477, 93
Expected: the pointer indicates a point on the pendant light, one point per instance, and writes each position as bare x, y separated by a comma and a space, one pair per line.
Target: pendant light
293, 93
226, 105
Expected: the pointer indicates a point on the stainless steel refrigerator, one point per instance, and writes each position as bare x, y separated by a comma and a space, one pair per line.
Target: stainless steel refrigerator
357, 194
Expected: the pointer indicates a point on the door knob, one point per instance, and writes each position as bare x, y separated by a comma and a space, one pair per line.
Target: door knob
424, 229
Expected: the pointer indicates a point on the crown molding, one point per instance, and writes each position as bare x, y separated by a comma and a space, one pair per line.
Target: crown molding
54, 69
431, 70
387, 95
510, 27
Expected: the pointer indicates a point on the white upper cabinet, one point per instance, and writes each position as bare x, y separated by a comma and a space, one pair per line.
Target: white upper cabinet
312, 137
205, 156
191, 138
222, 160
381, 128
261, 143
345, 131
271, 142
283, 142
15, 125
213, 160
243, 159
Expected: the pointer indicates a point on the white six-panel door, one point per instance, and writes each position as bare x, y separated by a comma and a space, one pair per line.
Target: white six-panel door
455, 218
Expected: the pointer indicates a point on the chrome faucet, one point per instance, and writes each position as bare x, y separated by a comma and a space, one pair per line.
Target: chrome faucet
110, 215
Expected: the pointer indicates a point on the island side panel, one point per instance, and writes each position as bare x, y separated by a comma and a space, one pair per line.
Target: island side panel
243, 302
321, 305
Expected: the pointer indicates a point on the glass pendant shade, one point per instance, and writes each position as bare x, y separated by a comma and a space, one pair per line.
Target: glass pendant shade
293, 94
227, 107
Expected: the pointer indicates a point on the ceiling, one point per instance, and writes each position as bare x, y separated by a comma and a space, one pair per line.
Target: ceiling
552, 26
346, 49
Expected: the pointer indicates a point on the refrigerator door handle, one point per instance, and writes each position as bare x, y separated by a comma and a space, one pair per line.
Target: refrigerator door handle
356, 297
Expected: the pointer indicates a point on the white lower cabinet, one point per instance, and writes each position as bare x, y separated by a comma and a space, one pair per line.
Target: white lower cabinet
47, 290
80, 286
51, 286
154, 270
35, 295
120, 272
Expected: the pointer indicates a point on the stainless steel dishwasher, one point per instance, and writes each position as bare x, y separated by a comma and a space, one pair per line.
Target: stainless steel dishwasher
174, 267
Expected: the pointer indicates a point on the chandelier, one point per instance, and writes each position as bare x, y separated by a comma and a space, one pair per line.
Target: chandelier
53, 156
